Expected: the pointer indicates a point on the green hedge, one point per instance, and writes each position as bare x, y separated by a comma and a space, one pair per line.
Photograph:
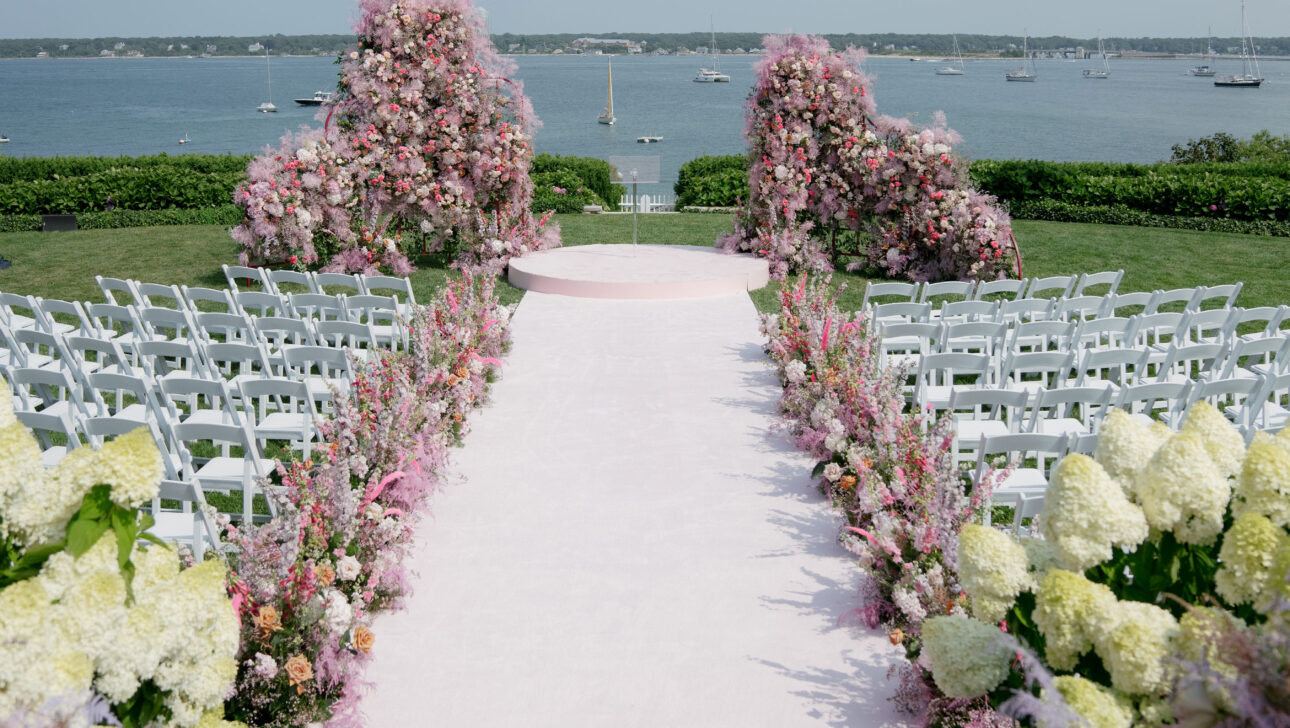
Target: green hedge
712, 181
155, 188
1058, 211
226, 215
594, 174
28, 169
562, 191
1241, 191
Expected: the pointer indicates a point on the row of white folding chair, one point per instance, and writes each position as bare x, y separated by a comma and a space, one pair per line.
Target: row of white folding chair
271, 280
1054, 287
1032, 457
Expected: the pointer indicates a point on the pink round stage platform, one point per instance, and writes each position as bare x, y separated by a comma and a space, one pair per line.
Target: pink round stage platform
638, 271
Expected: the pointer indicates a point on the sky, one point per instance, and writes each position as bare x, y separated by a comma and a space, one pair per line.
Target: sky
1074, 18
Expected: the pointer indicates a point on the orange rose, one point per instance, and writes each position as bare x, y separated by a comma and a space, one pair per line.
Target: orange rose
325, 574
462, 372
298, 671
363, 639
267, 621
847, 482
452, 380
896, 636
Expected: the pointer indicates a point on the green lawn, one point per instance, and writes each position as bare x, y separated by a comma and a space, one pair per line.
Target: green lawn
63, 265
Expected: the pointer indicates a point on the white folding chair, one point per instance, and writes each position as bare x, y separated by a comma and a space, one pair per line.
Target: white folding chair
399, 287
191, 523
1272, 411
1029, 309
1225, 295
1155, 401
1007, 288
1116, 368
51, 391
1051, 286
118, 323
1109, 278
228, 470
1079, 308
381, 313
286, 277
1130, 304
237, 362
248, 276
119, 292
92, 355
1071, 411
110, 395
976, 337
196, 400
939, 374
1206, 327
1257, 322
38, 349
1036, 370
318, 306
953, 290
1174, 296
348, 283
1107, 332
21, 312
903, 292
260, 303
202, 300
1033, 457
167, 324
65, 318
907, 312
166, 359
957, 312
1190, 362
281, 409
1255, 357
160, 295
53, 432
983, 412
219, 327
905, 344
1032, 336
1233, 397
320, 367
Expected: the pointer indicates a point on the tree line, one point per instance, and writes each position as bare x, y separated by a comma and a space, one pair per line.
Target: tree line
877, 43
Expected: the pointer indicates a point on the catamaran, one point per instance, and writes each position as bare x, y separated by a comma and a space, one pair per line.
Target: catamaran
1105, 71
1248, 54
1022, 74
951, 70
712, 75
608, 116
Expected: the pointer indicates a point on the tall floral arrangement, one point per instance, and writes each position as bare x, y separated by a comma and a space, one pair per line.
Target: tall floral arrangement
429, 139
308, 582
822, 162
94, 628
1160, 592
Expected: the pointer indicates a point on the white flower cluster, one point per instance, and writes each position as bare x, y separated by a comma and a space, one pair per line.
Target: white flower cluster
71, 628
967, 658
1086, 514
993, 570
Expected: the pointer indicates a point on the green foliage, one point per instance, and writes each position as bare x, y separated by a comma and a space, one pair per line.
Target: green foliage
562, 191
712, 181
1240, 191
18, 169
155, 188
595, 174
1058, 211
225, 215
1264, 146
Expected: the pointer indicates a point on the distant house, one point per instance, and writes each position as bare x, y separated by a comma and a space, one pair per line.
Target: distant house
119, 46
211, 48
134, 53
254, 48
105, 53
42, 54
63, 47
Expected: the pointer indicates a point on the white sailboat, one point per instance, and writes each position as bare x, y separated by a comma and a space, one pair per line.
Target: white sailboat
1022, 74
1105, 71
951, 70
267, 107
608, 116
1204, 69
1247, 79
714, 74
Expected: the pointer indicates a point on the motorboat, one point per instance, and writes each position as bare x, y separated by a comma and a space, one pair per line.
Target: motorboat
1205, 71
648, 139
319, 98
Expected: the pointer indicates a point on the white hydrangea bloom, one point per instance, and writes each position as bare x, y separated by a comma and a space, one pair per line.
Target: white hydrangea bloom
795, 371
967, 657
1264, 484
1135, 650
1071, 612
338, 612
1102, 708
1182, 490
1125, 445
993, 570
1246, 557
1222, 441
1086, 514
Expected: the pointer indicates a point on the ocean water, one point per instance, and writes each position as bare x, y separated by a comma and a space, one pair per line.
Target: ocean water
144, 106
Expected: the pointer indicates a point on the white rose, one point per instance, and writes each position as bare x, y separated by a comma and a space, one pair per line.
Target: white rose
347, 568
833, 471
338, 614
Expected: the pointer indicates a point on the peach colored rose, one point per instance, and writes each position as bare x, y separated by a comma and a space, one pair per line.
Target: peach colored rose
847, 482
267, 621
363, 639
298, 671
325, 574
896, 636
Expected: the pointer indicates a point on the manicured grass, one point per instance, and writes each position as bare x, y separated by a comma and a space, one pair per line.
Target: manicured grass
63, 265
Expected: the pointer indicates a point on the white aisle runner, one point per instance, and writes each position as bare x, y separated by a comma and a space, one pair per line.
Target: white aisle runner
631, 547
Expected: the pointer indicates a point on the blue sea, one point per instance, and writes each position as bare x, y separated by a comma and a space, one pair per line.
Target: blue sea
144, 106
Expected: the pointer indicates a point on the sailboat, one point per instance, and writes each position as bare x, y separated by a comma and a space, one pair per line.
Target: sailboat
1246, 79
1021, 74
185, 140
267, 107
712, 75
951, 70
1204, 69
1106, 67
608, 116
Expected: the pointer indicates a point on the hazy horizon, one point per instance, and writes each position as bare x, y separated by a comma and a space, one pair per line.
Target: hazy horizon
1112, 18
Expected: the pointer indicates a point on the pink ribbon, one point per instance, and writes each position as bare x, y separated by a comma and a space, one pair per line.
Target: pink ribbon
381, 486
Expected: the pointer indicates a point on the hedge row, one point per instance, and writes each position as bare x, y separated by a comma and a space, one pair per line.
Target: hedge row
1241, 191
226, 215
595, 174
1059, 211
27, 169
155, 188
712, 181
562, 191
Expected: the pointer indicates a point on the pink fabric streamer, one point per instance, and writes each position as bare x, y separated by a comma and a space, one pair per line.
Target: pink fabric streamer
487, 323
371, 496
824, 343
